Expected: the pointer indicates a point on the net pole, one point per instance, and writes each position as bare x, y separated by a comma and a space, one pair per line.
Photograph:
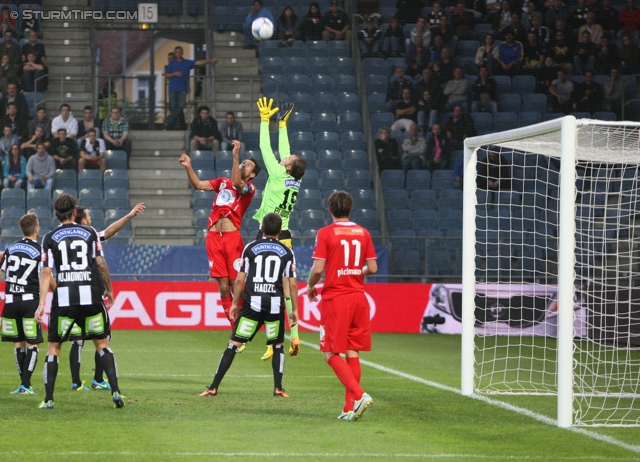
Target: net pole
468, 271
566, 260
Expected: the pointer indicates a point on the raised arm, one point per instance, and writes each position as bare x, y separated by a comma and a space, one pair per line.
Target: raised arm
236, 174
116, 226
196, 182
269, 158
283, 138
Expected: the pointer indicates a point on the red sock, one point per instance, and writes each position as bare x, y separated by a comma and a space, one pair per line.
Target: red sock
345, 375
354, 364
226, 306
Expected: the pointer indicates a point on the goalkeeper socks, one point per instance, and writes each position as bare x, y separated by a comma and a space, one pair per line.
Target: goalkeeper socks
344, 374
109, 365
19, 354
223, 366
277, 364
354, 365
75, 357
226, 306
98, 374
294, 330
30, 361
50, 374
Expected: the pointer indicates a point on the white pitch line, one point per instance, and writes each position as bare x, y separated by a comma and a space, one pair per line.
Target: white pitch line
510, 407
313, 454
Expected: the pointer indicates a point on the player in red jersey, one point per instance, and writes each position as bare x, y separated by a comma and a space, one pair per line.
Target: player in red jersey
345, 327
224, 242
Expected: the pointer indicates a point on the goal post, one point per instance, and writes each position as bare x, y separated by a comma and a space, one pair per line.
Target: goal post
551, 263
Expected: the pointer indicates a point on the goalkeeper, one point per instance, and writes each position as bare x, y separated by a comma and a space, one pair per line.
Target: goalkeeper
281, 192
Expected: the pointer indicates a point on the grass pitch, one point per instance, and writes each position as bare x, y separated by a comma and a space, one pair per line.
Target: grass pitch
162, 373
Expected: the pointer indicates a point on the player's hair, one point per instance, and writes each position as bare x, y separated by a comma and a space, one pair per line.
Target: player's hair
81, 213
271, 224
65, 105
298, 167
64, 206
257, 167
28, 224
340, 204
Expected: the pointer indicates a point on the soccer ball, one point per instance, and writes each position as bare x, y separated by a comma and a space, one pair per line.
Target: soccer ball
262, 29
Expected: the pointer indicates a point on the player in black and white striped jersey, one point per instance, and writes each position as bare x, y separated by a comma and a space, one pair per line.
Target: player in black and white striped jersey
82, 276
266, 264
21, 265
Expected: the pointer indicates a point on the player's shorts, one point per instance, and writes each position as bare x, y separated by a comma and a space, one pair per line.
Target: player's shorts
225, 254
18, 322
345, 323
249, 322
284, 237
79, 322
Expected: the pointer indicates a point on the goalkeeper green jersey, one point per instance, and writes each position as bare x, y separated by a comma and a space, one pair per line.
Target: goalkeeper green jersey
281, 192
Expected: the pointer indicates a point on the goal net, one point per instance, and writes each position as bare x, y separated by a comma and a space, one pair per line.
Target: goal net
551, 274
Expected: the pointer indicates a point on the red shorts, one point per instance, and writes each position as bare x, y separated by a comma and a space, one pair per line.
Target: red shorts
225, 254
345, 323
92, 161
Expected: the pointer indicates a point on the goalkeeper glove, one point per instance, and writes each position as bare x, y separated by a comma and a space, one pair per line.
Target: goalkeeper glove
283, 117
264, 106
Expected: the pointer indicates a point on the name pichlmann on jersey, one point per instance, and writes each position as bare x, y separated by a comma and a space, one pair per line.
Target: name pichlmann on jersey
74, 276
349, 272
264, 288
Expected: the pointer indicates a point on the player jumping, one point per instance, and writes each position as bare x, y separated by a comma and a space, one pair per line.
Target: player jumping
224, 242
280, 193
266, 265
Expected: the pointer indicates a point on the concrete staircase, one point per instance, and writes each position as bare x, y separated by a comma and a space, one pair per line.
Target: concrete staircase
157, 179
68, 58
237, 85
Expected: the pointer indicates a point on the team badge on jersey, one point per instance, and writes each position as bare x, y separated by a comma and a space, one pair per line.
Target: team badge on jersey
224, 197
237, 264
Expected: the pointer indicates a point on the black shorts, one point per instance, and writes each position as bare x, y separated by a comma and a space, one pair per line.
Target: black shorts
19, 324
284, 236
249, 322
79, 322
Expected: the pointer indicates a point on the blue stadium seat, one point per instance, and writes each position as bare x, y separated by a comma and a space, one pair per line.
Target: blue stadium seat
339, 48
349, 121
523, 84
424, 219
528, 118
39, 198
309, 157
10, 235
534, 102
295, 65
269, 52
378, 103
372, 66
274, 84
467, 48
399, 219
252, 140
355, 159
406, 262
396, 199
358, 179
381, 119
58, 192
202, 200
581, 115
316, 48
504, 121
338, 66
605, 115
66, 179
317, 65
309, 199
272, 65
509, 102
327, 140
324, 122
116, 199
329, 159
363, 198
300, 140
302, 102
201, 218
202, 160
450, 199
324, 102
392, 179
345, 83
116, 159
503, 83
359, 214
311, 178
90, 198
418, 179
423, 199
376, 83
322, 83
404, 239
483, 122
297, 84
347, 102
352, 141
299, 122
332, 179
90, 179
